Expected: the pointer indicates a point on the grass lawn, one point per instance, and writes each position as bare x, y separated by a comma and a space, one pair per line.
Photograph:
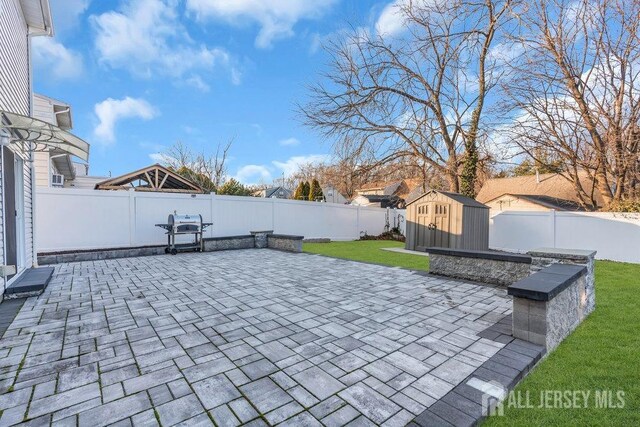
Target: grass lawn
602, 354
369, 251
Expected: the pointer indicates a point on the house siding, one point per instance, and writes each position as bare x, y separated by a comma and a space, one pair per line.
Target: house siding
513, 203
15, 96
15, 93
44, 169
43, 110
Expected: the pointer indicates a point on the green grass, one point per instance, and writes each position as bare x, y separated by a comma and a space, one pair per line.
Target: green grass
369, 251
603, 353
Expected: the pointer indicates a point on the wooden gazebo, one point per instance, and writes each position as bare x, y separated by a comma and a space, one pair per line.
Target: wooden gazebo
154, 178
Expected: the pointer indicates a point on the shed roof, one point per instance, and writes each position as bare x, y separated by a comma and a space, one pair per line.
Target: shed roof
463, 200
152, 178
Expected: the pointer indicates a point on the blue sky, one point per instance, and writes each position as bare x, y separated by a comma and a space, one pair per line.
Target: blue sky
142, 74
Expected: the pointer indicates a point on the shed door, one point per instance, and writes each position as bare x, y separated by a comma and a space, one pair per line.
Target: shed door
423, 219
433, 219
440, 225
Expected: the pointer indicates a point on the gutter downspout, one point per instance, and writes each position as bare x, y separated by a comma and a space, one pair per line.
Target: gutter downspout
32, 167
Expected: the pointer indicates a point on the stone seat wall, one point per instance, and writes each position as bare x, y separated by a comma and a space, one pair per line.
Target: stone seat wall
497, 268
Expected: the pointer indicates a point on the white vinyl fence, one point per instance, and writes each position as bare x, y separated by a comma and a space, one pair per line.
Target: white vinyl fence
69, 219
616, 236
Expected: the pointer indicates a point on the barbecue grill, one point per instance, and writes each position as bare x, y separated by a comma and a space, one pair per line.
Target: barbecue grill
181, 225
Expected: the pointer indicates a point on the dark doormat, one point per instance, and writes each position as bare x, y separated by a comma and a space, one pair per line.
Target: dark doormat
31, 283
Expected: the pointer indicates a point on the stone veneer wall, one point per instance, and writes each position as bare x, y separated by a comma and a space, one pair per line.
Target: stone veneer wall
249, 241
98, 254
228, 243
547, 320
544, 257
261, 238
480, 266
284, 242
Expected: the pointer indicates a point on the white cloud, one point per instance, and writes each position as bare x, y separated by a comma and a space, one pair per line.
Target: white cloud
505, 52
198, 83
60, 62
254, 174
110, 111
292, 165
393, 21
146, 38
275, 17
289, 142
251, 174
66, 13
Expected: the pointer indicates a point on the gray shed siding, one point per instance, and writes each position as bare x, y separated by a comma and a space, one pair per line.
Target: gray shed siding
467, 224
475, 226
15, 96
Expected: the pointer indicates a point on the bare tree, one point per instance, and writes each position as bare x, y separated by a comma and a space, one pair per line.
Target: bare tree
576, 93
208, 171
419, 95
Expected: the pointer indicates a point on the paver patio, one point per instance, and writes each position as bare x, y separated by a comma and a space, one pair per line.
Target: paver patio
251, 336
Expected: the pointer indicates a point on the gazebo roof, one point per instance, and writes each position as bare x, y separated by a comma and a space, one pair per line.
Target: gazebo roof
155, 178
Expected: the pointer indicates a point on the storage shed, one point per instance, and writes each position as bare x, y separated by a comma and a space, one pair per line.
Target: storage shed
447, 220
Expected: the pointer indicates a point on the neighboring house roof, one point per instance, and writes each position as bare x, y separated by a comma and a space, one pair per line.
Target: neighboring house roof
549, 184
464, 200
386, 201
37, 15
402, 188
152, 178
547, 202
274, 192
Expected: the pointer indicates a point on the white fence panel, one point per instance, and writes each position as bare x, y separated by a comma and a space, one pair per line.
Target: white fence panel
290, 215
343, 221
520, 231
69, 219
235, 215
616, 236
81, 219
371, 222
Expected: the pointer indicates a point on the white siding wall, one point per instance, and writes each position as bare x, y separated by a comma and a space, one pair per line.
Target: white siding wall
43, 110
15, 93
15, 96
512, 203
43, 169
28, 214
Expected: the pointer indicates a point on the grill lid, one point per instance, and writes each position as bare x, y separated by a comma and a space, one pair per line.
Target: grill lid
185, 219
